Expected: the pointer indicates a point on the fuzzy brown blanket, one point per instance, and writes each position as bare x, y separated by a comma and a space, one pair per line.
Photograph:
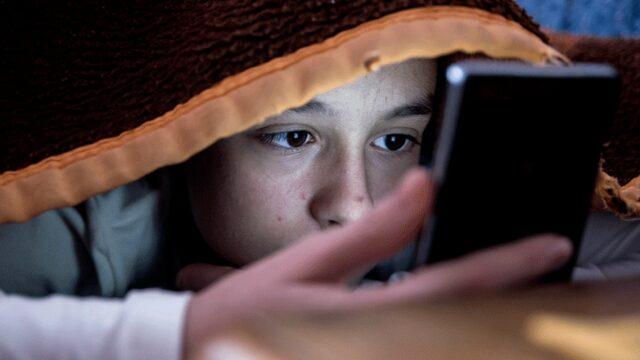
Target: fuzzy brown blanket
619, 184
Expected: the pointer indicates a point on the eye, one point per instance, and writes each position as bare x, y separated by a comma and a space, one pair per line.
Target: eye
287, 139
395, 142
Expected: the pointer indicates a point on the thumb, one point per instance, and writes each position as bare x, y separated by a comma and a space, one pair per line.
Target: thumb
196, 277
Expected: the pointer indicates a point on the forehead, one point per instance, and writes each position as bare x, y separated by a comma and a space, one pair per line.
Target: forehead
410, 80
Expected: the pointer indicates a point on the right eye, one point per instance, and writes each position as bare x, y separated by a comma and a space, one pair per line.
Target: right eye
395, 142
287, 139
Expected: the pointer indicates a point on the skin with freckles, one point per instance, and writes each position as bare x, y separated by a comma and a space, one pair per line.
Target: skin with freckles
320, 165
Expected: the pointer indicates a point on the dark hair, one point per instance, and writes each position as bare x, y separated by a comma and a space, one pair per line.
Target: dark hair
187, 241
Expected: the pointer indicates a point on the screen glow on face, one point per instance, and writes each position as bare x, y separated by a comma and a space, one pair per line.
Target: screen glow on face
318, 165
302, 127
294, 140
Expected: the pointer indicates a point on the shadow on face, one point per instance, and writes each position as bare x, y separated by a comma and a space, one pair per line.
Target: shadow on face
320, 165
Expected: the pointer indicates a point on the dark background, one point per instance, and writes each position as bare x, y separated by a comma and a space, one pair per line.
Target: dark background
596, 17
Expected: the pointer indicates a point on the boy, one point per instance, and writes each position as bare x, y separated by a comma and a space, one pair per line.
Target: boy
103, 251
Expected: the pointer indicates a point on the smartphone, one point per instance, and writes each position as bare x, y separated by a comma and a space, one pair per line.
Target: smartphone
517, 154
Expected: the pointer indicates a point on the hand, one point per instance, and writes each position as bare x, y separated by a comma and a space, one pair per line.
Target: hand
311, 275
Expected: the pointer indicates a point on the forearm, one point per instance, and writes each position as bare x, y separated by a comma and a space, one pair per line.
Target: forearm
146, 324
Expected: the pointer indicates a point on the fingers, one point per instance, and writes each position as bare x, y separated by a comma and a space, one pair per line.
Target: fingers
195, 277
392, 224
491, 269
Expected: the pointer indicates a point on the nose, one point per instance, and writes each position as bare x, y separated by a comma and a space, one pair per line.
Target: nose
343, 196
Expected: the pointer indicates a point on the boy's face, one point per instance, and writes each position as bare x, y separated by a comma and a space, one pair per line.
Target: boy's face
312, 167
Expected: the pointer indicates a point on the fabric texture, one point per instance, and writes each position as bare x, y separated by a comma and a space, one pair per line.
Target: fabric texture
587, 17
95, 108
610, 249
106, 246
145, 325
79, 73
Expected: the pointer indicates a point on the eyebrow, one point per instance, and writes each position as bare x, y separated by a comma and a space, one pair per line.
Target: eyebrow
312, 106
423, 107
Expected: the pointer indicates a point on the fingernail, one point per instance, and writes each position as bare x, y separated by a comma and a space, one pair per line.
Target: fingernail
560, 249
412, 176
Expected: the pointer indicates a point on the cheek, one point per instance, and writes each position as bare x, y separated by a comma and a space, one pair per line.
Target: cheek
258, 212
384, 173
275, 215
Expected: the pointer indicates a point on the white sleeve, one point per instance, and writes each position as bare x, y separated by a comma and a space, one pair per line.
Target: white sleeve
147, 324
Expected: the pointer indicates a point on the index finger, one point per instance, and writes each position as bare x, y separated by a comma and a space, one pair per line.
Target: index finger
488, 270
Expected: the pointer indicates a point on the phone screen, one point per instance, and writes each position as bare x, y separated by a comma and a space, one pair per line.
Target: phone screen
517, 155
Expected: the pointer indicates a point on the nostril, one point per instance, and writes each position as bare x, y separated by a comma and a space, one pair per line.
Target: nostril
333, 223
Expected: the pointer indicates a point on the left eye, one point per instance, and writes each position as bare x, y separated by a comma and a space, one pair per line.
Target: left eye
394, 142
287, 139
